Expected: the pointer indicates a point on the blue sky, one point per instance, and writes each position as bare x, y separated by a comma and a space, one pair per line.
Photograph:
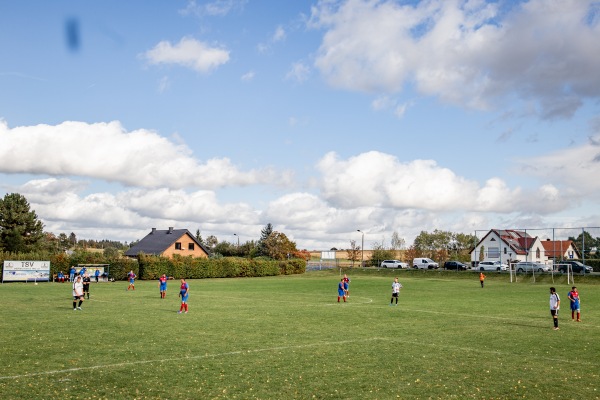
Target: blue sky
320, 117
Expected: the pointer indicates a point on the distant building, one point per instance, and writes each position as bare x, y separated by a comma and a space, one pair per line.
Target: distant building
509, 245
561, 249
168, 242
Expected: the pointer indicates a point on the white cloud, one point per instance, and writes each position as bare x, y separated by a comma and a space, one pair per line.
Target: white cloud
248, 76
106, 151
375, 179
213, 8
298, 72
469, 53
575, 168
279, 34
189, 53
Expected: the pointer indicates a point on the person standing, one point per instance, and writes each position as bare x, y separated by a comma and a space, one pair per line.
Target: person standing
341, 291
77, 293
184, 292
86, 285
162, 285
396, 286
72, 274
481, 278
575, 308
97, 274
554, 306
346, 285
131, 276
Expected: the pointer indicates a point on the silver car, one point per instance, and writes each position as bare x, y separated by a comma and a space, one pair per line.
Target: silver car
492, 266
393, 264
528, 266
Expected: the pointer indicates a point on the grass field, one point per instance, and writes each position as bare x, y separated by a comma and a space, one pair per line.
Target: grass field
287, 337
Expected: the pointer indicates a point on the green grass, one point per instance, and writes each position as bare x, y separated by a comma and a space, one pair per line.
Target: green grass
287, 337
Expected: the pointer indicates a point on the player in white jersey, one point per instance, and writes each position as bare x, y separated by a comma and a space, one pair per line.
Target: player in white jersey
396, 286
77, 293
554, 306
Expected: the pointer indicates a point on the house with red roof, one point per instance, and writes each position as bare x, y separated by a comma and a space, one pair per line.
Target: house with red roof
507, 245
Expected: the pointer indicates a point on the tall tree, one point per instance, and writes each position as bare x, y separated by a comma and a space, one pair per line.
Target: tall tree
397, 242
353, 252
73, 239
20, 229
199, 236
264, 235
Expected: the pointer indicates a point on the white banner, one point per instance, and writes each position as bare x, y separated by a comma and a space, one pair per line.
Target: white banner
23, 271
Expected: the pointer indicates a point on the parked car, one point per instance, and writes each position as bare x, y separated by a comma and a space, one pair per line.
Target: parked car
424, 263
528, 266
455, 265
393, 264
492, 266
576, 266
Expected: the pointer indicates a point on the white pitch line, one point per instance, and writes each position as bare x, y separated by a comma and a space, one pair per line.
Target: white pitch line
226, 354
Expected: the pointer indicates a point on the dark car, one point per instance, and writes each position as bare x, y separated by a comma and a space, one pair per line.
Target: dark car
455, 265
576, 267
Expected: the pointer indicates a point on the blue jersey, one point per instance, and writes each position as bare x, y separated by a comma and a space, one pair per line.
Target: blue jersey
341, 289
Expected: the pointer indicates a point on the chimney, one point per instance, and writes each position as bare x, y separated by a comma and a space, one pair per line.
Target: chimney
170, 229
153, 230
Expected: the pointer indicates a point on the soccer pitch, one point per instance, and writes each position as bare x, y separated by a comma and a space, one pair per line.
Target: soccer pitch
287, 337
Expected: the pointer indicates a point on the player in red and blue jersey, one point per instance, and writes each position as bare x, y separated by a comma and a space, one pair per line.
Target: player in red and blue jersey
575, 307
341, 291
131, 275
184, 293
346, 285
162, 285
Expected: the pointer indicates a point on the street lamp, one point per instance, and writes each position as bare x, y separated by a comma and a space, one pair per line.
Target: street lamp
238, 237
362, 248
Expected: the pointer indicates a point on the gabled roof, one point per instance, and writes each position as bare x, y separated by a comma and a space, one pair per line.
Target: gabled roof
557, 248
157, 241
519, 241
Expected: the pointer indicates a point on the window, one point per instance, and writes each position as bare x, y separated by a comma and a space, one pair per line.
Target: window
505, 250
494, 252
537, 253
190, 246
177, 245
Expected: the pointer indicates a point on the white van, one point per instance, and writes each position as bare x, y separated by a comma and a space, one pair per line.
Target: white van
424, 263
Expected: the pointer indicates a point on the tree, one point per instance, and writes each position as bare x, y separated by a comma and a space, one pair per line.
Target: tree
211, 242
279, 247
73, 239
397, 243
20, 229
353, 252
264, 235
199, 237
380, 253
585, 243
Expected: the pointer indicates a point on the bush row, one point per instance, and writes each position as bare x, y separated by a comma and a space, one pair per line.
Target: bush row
151, 267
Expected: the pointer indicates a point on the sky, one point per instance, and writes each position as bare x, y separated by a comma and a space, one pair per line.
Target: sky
321, 117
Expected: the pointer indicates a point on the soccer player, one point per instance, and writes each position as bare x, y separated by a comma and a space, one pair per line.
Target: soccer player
162, 285
77, 293
396, 286
346, 285
574, 298
131, 277
184, 292
341, 291
97, 274
61, 276
481, 278
554, 306
72, 274
86, 285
